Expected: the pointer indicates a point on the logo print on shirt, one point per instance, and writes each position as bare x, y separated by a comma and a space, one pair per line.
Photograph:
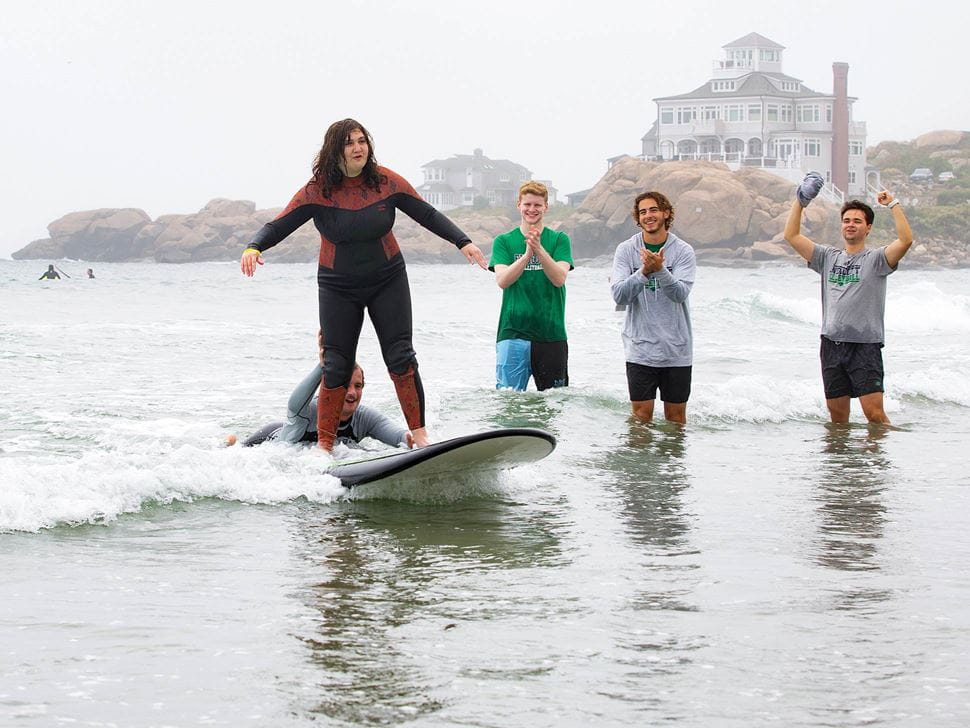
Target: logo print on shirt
842, 275
533, 263
651, 283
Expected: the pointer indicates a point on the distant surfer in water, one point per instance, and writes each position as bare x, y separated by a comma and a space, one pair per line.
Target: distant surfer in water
50, 274
653, 274
531, 263
853, 299
352, 202
356, 422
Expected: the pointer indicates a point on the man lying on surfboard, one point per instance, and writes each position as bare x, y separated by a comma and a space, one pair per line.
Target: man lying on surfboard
356, 421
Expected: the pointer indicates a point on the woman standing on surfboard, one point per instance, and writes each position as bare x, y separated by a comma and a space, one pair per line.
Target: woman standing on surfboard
352, 201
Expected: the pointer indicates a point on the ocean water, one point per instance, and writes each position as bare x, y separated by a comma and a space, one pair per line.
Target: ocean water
758, 567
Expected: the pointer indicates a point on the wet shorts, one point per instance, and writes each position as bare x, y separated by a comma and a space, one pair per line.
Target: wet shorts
850, 369
644, 381
545, 361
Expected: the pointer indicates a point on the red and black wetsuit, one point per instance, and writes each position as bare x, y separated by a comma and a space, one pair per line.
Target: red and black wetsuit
361, 266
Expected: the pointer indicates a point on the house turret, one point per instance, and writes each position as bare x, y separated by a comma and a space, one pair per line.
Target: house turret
753, 52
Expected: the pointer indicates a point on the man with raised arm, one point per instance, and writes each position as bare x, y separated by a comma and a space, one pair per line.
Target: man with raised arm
653, 273
853, 299
531, 263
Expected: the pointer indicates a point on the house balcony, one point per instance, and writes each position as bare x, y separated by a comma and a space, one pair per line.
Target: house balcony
707, 127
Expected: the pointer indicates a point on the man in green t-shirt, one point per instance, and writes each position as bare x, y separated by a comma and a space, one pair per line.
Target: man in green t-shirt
531, 263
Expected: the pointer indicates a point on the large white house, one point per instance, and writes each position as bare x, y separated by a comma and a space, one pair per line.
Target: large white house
751, 113
463, 180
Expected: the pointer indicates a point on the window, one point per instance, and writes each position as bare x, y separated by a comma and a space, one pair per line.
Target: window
851, 176
754, 112
786, 112
734, 112
772, 112
723, 85
855, 148
710, 113
784, 148
828, 113
504, 178
808, 113
812, 147
770, 56
666, 115
686, 114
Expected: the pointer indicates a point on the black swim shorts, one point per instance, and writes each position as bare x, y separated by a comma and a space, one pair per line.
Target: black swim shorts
850, 369
673, 383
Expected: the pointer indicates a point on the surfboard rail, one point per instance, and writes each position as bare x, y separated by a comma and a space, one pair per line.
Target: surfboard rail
498, 449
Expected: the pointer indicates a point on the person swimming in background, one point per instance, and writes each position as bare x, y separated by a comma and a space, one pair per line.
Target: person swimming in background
90, 273
50, 274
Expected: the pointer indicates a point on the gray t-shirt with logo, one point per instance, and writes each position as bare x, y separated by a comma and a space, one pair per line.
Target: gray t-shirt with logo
853, 293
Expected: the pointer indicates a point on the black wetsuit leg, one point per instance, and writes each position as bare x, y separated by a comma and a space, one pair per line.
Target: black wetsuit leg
341, 318
389, 308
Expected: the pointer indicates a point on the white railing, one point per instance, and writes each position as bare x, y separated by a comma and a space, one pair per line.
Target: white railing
832, 193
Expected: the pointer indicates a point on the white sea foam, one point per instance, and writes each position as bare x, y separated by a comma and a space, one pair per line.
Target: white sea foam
112, 402
923, 307
936, 383
765, 305
101, 485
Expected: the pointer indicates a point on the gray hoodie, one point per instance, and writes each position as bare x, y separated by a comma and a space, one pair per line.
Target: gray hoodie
657, 330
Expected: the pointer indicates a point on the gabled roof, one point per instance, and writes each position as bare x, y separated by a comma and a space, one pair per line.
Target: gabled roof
753, 84
754, 40
475, 161
651, 133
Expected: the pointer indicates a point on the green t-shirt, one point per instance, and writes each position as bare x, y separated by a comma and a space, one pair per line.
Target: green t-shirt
532, 308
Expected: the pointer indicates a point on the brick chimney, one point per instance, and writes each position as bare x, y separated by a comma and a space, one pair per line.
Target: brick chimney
840, 126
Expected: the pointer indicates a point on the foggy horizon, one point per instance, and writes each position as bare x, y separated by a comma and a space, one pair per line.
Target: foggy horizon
164, 110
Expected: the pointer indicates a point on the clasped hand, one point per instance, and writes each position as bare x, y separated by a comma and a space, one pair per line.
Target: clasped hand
652, 262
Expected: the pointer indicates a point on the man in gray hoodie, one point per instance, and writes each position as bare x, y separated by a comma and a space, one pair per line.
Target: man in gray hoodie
653, 273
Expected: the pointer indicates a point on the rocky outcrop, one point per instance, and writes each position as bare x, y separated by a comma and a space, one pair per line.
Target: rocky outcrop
95, 235
731, 218
723, 214
941, 138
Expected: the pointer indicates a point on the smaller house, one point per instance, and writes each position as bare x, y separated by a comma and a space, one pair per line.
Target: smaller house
467, 180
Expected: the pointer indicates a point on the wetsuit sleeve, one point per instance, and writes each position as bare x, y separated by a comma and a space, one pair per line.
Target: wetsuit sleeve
408, 201
300, 209
676, 283
371, 423
301, 410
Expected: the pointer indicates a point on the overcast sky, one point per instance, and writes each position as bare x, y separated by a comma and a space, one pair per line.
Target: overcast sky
164, 106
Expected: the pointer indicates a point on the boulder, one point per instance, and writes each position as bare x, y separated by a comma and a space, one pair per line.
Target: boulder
43, 248
98, 235
713, 206
941, 138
